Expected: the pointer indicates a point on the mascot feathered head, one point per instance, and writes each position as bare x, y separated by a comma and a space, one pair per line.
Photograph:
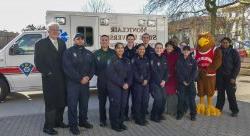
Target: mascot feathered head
205, 42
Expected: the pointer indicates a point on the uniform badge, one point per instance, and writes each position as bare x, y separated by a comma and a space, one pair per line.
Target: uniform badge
74, 54
158, 63
108, 62
26, 68
98, 58
152, 62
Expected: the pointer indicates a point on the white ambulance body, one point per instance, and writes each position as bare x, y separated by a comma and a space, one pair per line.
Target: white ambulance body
17, 70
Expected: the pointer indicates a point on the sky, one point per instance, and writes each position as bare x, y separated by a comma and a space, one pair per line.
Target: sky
16, 14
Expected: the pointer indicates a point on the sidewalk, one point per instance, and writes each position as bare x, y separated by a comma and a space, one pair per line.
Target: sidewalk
30, 123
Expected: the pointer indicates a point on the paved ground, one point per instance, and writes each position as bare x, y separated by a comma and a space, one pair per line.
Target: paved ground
22, 115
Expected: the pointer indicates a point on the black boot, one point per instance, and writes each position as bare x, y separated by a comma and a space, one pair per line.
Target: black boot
103, 123
234, 114
124, 127
193, 117
155, 119
74, 130
86, 124
50, 131
179, 116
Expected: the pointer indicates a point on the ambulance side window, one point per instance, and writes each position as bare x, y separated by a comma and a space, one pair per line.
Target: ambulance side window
88, 34
25, 45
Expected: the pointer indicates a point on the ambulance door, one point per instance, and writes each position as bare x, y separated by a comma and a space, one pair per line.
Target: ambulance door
20, 63
88, 26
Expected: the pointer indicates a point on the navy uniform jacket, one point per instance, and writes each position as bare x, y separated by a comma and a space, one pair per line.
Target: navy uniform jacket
186, 69
141, 69
119, 73
158, 66
129, 53
77, 63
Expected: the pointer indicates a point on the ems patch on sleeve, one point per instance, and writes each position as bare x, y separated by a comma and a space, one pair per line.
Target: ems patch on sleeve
26, 68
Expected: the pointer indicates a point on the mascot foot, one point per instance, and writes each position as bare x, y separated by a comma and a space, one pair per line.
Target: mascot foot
212, 111
201, 109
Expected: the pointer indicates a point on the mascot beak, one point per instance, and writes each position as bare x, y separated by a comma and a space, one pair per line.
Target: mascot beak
203, 41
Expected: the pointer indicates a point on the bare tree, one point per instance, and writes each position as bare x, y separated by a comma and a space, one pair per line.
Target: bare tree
97, 6
183, 8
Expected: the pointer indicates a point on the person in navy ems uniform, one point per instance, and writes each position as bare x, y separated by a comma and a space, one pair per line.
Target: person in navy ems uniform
129, 53
119, 82
103, 59
186, 72
79, 67
141, 74
159, 75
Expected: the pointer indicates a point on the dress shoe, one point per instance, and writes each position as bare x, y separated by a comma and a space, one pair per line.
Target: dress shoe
103, 124
139, 122
50, 131
162, 117
179, 116
155, 119
86, 124
117, 129
74, 130
193, 118
234, 114
124, 127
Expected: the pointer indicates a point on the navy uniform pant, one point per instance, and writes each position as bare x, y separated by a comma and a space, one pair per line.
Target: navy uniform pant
141, 100
186, 96
130, 95
77, 95
102, 96
118, 101
159, 96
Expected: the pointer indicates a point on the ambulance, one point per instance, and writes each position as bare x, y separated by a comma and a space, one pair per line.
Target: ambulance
17, 69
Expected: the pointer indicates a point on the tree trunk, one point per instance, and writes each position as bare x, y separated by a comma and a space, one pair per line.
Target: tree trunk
213, 25
243, 24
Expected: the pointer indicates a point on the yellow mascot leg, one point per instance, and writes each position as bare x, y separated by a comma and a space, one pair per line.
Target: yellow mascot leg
201, 106
211, 110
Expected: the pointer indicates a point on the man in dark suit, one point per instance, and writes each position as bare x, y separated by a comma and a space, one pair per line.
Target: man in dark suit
48, 61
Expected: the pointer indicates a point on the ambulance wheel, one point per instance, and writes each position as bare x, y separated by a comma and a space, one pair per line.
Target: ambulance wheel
4, 89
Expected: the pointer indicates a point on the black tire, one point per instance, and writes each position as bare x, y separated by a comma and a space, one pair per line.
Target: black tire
4, 89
